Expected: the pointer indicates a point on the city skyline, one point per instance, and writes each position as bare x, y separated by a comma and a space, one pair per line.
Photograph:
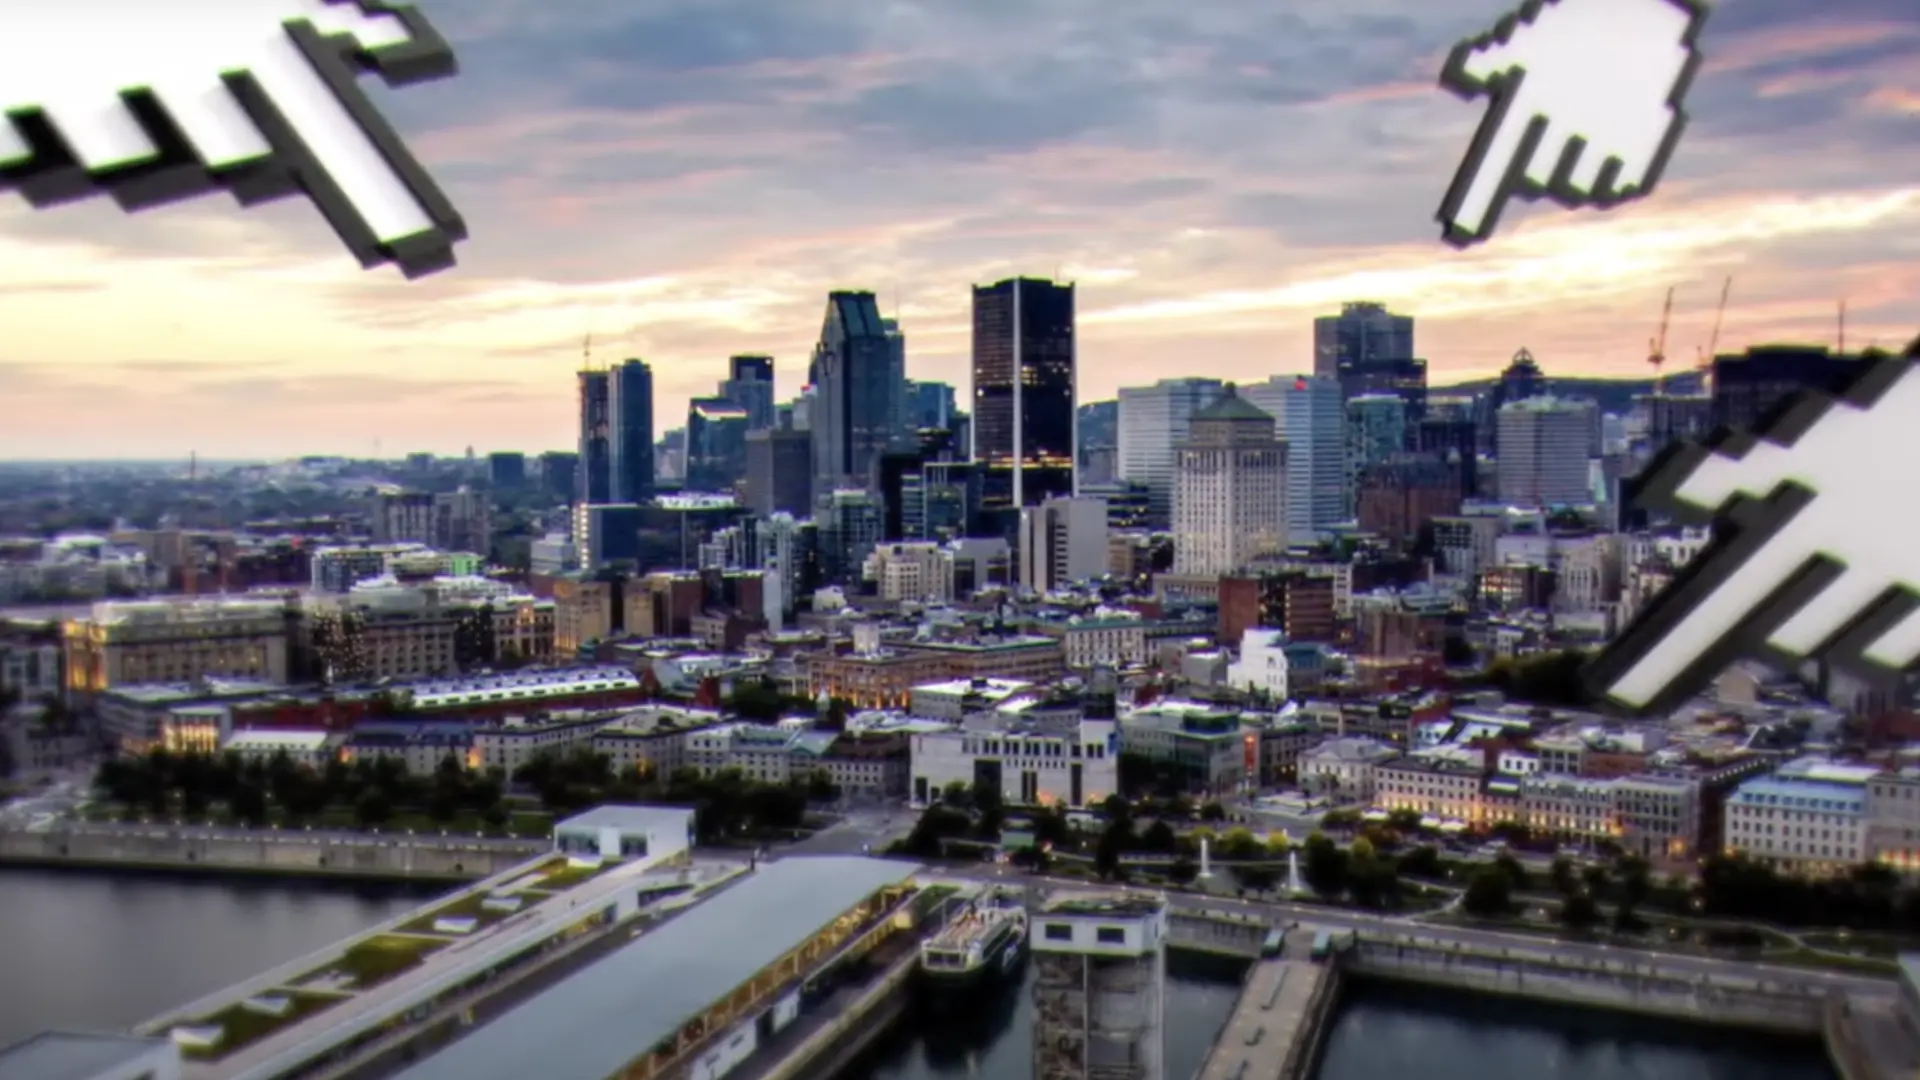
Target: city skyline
1210, 186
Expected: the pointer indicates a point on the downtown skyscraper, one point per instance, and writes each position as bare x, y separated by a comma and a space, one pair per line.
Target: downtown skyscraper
630, 422
1310, 419
1370, 351
593, 478
859, 383
1023, 391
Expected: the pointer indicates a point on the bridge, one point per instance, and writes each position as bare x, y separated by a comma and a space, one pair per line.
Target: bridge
1275, 1029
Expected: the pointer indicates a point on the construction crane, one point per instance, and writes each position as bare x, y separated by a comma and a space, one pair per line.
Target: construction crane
1657, 346
1705, 367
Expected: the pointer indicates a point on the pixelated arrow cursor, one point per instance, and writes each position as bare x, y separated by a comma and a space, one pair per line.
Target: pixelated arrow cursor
1585, 106
153, 101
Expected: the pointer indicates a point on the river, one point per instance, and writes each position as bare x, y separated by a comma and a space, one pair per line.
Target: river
104, 951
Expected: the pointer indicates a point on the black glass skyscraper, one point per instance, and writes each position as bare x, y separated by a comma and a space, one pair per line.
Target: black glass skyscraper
1023, 391
594, 475
857, 388
749, 385
630, 412
1370, 350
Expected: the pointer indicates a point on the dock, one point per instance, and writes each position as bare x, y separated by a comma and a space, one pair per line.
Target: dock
1275, 1029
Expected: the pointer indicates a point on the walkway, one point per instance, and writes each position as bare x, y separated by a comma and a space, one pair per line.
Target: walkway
1278, 1010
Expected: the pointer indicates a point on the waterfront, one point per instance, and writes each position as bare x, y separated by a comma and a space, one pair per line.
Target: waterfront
108, 950
1394, 1029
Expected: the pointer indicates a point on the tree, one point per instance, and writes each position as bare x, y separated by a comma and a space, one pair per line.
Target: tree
1112, 844
1578, 911
248, 802
1489, 893
1510, 868
757, 699
1159, 839
373, 809
1182, 871
1563, 876
1325, 866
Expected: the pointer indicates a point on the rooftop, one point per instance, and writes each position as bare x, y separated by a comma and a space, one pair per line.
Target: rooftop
592, 1024
630, 818
72, 1055
1125, 905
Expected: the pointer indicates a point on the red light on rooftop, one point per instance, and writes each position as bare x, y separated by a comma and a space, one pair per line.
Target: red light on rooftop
1299, 384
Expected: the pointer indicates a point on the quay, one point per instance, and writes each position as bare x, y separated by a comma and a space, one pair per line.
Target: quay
1275, 1029
292, 852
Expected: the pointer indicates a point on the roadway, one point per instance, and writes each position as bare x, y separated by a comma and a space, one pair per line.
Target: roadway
1404, 925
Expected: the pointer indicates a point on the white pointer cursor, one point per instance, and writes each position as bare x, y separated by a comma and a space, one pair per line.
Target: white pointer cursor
151, 101
1585, 106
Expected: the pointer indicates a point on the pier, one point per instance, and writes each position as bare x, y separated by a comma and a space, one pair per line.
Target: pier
289, 852
1275, 1029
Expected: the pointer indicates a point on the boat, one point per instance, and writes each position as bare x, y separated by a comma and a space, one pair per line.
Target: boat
983, 943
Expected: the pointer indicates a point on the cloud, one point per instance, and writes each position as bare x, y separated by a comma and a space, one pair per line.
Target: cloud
686, 179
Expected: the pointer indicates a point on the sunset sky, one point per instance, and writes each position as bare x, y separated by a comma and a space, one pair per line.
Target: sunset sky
688, 178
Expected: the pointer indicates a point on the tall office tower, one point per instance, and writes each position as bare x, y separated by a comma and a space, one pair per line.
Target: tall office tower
855, 411
1099, 987
1312, 422
1062, 541
1376, 430
1229, 489
1449, 433
749, 385
630, 412
1152, 424
716, 444
1544, 447
1023, 391
1363, 334
779, 472
506, 469
559, 472
1750, 386
897, 372
929, 404
1370, 350
594, 480
1522, 379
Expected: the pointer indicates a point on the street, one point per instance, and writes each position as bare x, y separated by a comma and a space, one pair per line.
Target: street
859, 831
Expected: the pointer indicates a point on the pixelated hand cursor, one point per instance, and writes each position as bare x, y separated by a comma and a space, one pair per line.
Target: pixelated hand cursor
153, 101
1812, 557
1584, 106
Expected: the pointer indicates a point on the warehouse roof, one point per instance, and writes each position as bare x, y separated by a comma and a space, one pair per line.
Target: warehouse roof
592, 1024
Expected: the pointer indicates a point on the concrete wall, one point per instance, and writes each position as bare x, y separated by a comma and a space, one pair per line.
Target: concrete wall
1626, 984
269, 852
1227, 933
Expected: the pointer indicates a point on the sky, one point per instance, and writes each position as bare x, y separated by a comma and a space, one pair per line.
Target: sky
687, 179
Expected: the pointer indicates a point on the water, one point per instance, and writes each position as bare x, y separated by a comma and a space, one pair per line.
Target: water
996, 1041
1387, 1030
106, 951
1380, 1030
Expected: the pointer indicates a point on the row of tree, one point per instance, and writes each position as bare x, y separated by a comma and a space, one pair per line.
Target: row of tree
373, 792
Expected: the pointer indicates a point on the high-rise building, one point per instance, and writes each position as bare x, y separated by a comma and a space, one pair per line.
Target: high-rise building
897, 373
1748, 387
1100, 987
1544, 448
857, 381
929, 404
630, 414
1230, 489
1376, 430
559, 473
1312, 422
1370, 350
1023, 390
1062, 541
506, 469
1362, 335
595, 475
1153, 422
749, 385
716, 444
779, 472
1522, 379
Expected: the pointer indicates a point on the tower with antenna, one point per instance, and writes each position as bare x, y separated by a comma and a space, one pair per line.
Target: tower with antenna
1657, 347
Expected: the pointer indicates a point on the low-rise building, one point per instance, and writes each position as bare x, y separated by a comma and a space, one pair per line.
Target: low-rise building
655, 835
419, 747
311, 749
1893, 820
1202, 746
651, 740
1262, 666
1810, 817
1031, 761
1434, 783
1343, 768
955, 698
